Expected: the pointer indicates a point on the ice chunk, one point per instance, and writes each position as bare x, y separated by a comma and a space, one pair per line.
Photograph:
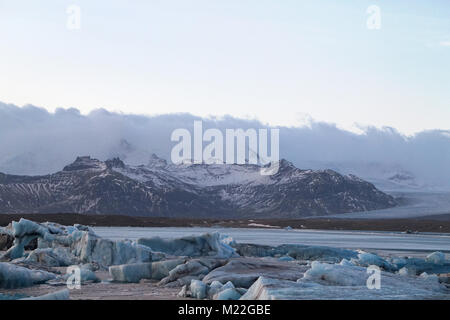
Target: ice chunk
52, 257
299, 252
82, 242
131, 272
210, 244
243, 272
161, 269
393, 287
228, 285
431, 277
286, 258
12, 276
26, 227
406, 272
214, 288
338, 275
418, 265
274, 289
366, 259
228, 294
436, 258
198, 289
26, 231
346, 262
194, 268
91, 248
228, 240
88, 276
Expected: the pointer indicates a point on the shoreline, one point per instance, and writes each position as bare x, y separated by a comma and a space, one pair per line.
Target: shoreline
434, 224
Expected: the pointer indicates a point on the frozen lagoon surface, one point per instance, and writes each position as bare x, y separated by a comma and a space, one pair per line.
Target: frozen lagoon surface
379, 241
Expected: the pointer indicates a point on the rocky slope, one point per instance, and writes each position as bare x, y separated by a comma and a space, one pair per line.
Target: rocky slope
91, 186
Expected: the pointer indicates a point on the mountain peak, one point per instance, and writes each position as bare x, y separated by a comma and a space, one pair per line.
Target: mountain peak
115, 163
156, 161
85, 163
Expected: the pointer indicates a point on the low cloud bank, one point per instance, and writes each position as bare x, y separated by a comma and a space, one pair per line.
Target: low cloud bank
35, 141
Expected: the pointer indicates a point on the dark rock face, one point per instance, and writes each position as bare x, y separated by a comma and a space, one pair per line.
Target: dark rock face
90, 186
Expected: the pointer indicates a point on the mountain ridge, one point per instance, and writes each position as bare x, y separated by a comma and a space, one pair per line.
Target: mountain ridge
162, 189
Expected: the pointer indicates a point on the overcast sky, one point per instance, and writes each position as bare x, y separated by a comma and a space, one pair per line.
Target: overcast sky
282, 62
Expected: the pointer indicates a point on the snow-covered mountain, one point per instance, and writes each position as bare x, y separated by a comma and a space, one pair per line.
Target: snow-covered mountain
91, 186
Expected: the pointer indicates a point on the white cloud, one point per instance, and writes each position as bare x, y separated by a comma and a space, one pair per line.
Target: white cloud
445, 43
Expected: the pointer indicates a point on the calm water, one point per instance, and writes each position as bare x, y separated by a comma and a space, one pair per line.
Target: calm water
341, 239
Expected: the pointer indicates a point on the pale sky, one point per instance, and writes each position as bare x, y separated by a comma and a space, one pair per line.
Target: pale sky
280, 61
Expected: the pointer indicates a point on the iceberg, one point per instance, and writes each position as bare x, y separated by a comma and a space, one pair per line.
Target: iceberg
52, 257
298, 252
340, 275
398, 289
12, 276
161, 269
243, 272
436, 258
198, 289
79, 243
214, 288
131, 272
210, 245
433, 265
91, 248
366, 259
192, 269
228, 294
